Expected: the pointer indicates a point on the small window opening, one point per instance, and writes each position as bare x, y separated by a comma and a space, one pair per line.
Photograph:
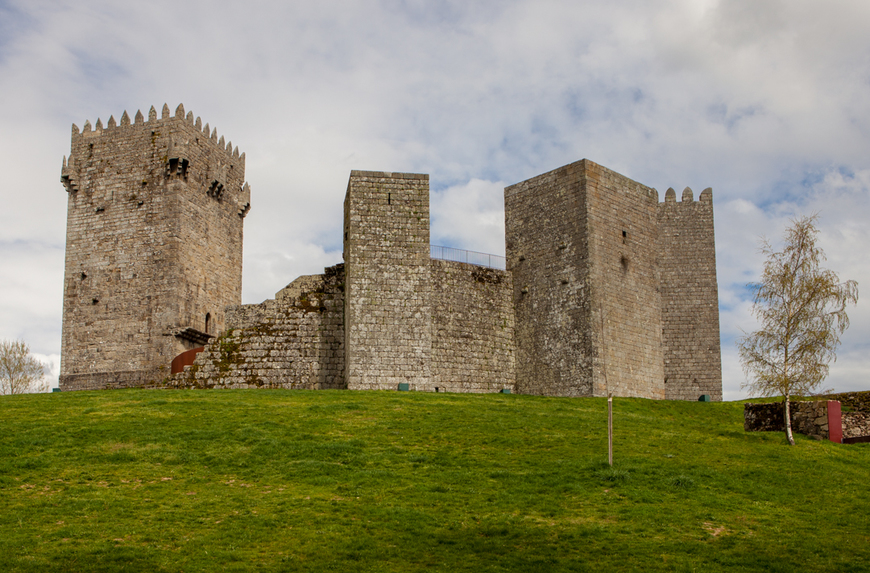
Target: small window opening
84, 275
207, 322
389, 198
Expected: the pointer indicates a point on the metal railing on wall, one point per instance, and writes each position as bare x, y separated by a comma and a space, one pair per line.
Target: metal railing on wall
471, 257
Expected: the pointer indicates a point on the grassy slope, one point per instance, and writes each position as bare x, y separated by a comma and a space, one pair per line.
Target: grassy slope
388, 481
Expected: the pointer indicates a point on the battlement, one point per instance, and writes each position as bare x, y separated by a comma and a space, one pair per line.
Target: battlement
388, 175
706, 196
173, 147
211, 134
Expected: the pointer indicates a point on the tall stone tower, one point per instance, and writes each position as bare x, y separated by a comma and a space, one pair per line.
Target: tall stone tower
690, 296
388, 314
153, 246
613, 291
581, 243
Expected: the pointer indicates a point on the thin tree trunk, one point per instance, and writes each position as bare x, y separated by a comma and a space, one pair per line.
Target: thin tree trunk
787, 414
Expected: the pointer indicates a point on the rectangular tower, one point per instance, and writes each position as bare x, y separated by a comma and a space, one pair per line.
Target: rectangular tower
388, 315
582, 246
154, 246
690, 297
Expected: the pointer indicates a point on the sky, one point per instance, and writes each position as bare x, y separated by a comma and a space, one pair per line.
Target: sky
765, 101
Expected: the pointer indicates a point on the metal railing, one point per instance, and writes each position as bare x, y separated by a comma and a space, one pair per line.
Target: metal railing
470, 257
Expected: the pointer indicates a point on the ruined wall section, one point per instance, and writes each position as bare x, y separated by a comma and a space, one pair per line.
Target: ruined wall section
472, 328
139, 280
548, 257
294, 341
690, 297
626, 305
807, 417
388, 315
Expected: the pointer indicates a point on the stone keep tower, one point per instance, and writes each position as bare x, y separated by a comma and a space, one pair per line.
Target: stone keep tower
388, 314
153, 246
613, 291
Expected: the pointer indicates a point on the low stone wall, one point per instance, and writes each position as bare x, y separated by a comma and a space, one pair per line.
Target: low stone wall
472, 328
106, 380
852, 401
811, 417
808, 418
856, 425
293, 341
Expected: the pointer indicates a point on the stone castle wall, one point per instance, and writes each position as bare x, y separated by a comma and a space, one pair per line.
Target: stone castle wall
625, 301
583, 247
294, 341
388, 313
547, 253
472, 328
690, 297
606, 289
154, 246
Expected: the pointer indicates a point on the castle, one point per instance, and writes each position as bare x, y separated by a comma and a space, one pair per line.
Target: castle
606, 289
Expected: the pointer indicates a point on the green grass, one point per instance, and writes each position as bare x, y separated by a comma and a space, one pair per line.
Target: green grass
153, 480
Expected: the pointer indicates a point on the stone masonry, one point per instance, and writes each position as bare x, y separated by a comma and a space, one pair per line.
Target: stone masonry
154, 246
614, 292
607, 290
813, 417
388, 313
690, 299
452, 332
293, 341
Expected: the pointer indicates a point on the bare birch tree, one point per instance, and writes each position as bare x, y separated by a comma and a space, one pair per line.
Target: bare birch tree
20, 372
802, 311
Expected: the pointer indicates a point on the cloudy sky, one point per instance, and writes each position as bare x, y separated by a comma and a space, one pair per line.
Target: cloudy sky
765, 101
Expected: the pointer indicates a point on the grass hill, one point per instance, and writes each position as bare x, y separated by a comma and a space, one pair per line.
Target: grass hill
148, 480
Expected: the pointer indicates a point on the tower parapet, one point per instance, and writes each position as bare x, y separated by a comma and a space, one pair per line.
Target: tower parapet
154, 245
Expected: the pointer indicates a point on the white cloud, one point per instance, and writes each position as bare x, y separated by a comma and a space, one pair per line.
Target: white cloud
469, 216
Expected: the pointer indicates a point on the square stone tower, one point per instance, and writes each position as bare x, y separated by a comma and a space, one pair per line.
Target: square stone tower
153, 246
388, 313
581, 243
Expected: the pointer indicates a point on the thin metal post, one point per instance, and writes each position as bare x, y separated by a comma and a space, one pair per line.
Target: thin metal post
610, 429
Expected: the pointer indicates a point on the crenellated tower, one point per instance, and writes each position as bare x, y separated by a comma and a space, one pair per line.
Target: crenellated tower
690, 296
614, 292
154, 245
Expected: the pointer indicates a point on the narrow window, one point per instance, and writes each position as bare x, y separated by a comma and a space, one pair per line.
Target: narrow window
207, 322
